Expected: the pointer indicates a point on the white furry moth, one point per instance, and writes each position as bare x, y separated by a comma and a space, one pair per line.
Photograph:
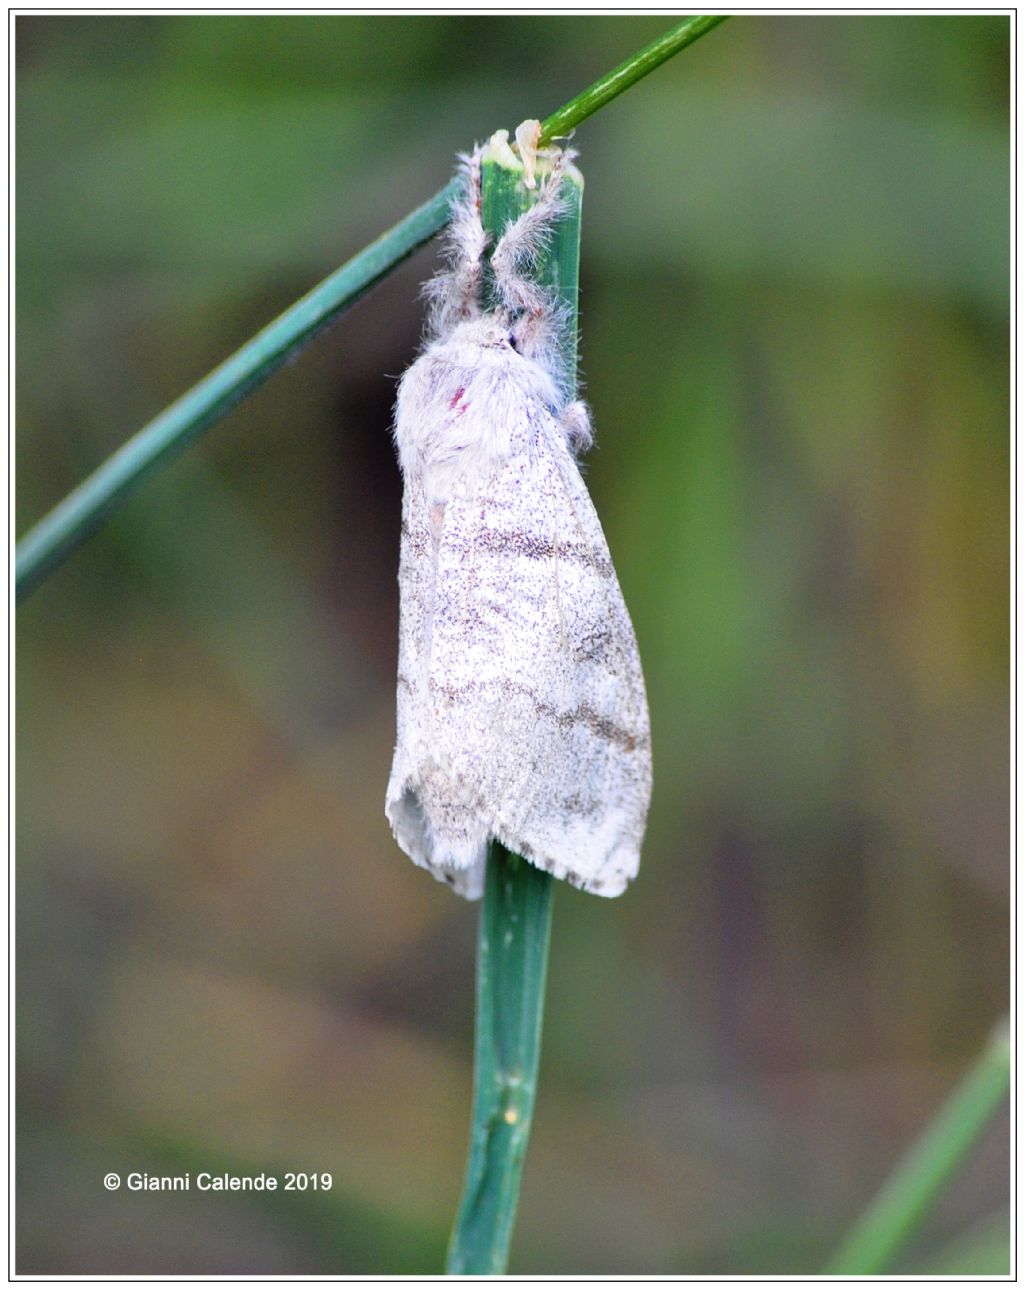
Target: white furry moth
522, 713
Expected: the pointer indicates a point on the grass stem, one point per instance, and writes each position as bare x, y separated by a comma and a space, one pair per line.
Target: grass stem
512, 955
910, 1193
638, 65
56, 536
515, 917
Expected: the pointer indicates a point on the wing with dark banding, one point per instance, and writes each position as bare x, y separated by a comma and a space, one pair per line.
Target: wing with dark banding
536, 694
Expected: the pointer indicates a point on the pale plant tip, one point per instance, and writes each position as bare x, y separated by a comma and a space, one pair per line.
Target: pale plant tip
497, 149
528, 141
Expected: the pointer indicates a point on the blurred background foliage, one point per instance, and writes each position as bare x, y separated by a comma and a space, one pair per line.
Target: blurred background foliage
795, 340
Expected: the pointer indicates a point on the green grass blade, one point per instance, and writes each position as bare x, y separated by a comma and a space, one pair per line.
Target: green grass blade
46, 545
645, 60
512, 955
908, 1196
515, 917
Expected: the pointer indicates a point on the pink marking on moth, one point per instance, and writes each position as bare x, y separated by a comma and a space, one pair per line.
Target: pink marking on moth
456, 405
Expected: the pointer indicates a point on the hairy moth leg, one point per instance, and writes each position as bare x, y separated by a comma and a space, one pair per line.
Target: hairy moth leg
520, 245
455, 294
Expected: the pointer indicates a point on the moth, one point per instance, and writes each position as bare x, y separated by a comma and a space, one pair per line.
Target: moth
522, 712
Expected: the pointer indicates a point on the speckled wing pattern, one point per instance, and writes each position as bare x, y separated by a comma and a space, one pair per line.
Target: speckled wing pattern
522, 713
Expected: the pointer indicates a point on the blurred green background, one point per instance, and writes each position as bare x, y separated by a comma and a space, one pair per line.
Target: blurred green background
795, 341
